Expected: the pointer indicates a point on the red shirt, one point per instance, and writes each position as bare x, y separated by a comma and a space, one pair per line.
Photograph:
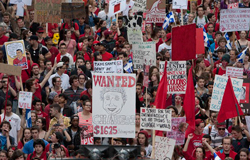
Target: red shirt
22, 62
38, 94
26, 74
222, 155
42, 157
46, 117
42, 42
66, 26
196, 141
54, 52
20, 145
47, 149
52, 26
3, 39
216, 27
217, 63
221, 71
106, 56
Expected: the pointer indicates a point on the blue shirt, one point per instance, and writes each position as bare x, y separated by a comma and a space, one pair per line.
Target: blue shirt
28, 147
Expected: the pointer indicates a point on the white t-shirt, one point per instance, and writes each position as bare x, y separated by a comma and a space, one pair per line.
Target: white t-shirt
71, 61
64, 78
105, 17
15, 123
164, 46
200, 21
128, 7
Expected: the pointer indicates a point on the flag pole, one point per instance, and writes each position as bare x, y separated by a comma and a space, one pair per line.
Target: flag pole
182, 17
237, 109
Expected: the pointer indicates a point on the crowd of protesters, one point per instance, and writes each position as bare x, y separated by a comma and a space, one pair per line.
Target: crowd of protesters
59, 76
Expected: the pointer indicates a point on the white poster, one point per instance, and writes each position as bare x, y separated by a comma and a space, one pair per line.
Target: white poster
25, 99
114, 105
164, 148
237, 19
248, 122
234, 72
144, 54
139, 5
157, 119
220, 83
116, 6
134, 36
108, 66
180, 4
20, 4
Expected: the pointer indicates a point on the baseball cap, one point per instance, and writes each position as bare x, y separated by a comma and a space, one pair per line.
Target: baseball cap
103, 44
52, 95
40, 30
168, 37
96, 42
60, 64
34, 37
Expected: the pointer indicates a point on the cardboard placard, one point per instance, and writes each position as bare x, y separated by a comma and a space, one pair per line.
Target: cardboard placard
143, 53
134, 36
164, 148
234, 72
25, 100
244, 98
180, 4
73, 10
157, 119
116, 6
16, 54
10, 70
108, 66
237, 19
139, 5
179, 127
156, 11
47, 11
114, 105
220, 83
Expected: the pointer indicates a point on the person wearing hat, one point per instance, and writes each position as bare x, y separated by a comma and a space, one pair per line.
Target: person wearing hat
60, 69
142, 140
53, 98
109, 41
217, 137
167, 45
96, 45
105, 55
39, 33
38, 50
74, 132
224, 63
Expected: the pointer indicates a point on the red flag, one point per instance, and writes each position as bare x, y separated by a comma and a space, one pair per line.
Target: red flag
161, 95
229, 103
189, 102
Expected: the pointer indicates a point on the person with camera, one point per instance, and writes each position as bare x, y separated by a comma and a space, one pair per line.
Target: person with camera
56, 142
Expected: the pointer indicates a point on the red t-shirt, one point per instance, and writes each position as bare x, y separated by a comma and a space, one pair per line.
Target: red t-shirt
221, 71
47, 149
3, 39
38, 94
20, 145
22, 62
217, 63
196, 141
42, 42
52, 26
106, 56
46, 116
26, 74
66, 26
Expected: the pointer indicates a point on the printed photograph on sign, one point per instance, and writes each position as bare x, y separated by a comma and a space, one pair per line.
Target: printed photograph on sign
87, 137
114, 105
244, 98
16, 54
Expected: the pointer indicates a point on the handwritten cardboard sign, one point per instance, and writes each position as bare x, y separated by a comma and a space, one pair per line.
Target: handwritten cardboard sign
176, 76
10, 70
108, 66
139, 5
143, 53
234, 19
114, 105
157, 119
47, 11
164, 148
220, 83
233, 5
180, 4
234, 72
179, 127
134, 36
25, 99
73, 10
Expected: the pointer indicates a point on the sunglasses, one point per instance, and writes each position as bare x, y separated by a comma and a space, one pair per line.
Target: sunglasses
158, 58
4, 81
221, 129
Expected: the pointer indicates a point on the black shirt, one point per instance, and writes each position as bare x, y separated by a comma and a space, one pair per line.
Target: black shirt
35, 53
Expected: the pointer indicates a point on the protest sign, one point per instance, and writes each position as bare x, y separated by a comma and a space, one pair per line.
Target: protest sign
234, 19
200, 47
47, 11
164, 147
180, 4
234, 72
134, 22
114, 105
176, 76
139, 5
25, 100
233, 5
143, 53
20, 4
157, 119
87, 135
248, 122
134, 36
10, 70
73, 10
16, 54
156, 11
219, 88
244, 98
108, 66
116, 6
179, 127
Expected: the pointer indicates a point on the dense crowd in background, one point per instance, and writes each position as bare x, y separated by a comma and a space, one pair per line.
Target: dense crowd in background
59, 76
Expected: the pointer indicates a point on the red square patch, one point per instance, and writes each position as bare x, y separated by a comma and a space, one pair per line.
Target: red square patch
117, 7
143, 110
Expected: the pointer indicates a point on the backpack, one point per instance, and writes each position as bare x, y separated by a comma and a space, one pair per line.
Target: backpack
206, 20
